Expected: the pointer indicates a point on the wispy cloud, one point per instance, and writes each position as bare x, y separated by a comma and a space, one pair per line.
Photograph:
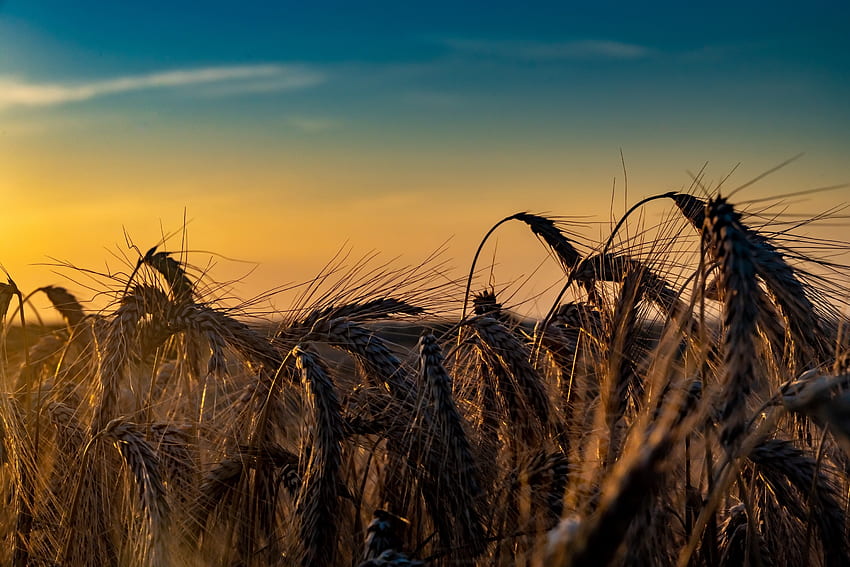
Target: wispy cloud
20, 92
550, 50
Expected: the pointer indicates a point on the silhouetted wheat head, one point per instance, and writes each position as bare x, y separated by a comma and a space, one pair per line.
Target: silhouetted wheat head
683, 402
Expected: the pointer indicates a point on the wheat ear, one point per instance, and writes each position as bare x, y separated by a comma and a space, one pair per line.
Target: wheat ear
457, 469
738, 281
318, 502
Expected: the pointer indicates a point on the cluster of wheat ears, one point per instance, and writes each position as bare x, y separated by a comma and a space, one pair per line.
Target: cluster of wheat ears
685, 402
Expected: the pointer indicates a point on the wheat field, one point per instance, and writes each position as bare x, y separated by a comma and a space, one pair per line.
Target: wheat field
684, 402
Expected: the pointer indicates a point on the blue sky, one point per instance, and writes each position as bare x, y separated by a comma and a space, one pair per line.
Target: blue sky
376, 59
299, 109
611, 68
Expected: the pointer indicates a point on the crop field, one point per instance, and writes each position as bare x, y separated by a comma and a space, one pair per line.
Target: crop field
684, 402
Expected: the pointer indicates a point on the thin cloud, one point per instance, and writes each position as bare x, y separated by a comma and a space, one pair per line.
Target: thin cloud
261, 85
550, 51
19, 92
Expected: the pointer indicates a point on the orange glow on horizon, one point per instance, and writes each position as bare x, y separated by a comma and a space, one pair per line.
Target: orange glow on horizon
290, 221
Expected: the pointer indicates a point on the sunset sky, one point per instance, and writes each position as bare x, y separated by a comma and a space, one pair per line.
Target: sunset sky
287, 130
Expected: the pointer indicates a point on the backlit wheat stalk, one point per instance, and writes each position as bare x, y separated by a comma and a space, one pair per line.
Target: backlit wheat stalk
684, 401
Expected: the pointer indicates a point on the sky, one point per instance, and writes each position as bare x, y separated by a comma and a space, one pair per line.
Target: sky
286, 131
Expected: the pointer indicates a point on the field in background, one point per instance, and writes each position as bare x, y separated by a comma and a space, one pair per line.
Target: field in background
683, 403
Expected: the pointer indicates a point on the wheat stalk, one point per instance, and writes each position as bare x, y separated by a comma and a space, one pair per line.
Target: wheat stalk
738, 281
453, 464
319, 500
